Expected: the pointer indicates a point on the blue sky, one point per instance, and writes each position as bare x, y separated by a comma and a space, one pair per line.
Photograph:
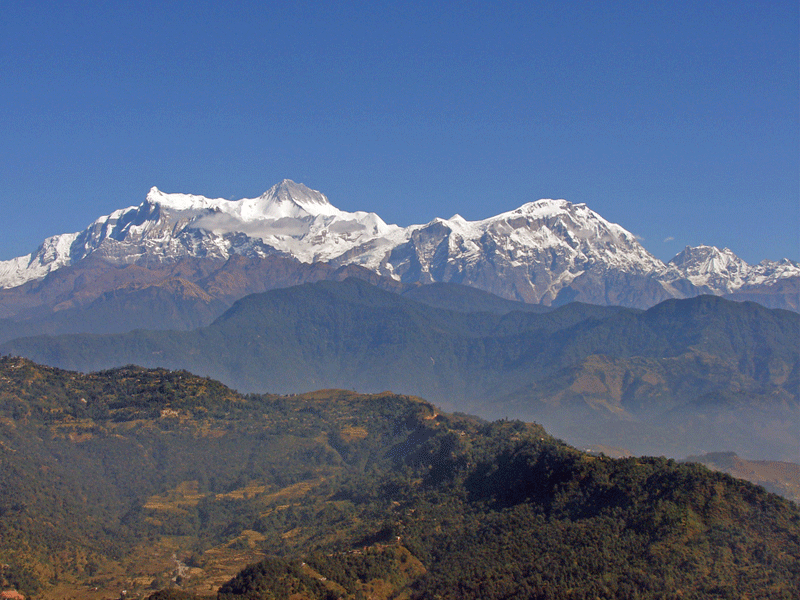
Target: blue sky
674, 119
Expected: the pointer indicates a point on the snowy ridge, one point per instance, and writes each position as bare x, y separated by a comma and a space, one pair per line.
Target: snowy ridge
288, 218
717, 271
530, 253
51, 255
547, 251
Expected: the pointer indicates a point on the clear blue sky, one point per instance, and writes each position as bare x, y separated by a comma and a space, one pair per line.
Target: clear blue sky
674, 119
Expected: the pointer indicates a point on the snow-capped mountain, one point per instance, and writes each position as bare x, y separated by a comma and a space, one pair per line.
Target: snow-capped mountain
708, 268
288, 218
531, 253
713, 271
548, 251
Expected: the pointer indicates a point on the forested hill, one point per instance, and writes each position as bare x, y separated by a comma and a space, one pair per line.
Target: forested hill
140, 480
686, 376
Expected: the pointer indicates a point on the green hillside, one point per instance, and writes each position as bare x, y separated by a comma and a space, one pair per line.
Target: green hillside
138, 479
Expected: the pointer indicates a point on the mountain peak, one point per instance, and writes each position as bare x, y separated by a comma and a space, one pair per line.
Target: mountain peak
299, 195
693, 255
709, 268
155, 196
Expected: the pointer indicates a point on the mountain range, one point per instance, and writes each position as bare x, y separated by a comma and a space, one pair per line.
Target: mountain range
686, 376
200, 255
